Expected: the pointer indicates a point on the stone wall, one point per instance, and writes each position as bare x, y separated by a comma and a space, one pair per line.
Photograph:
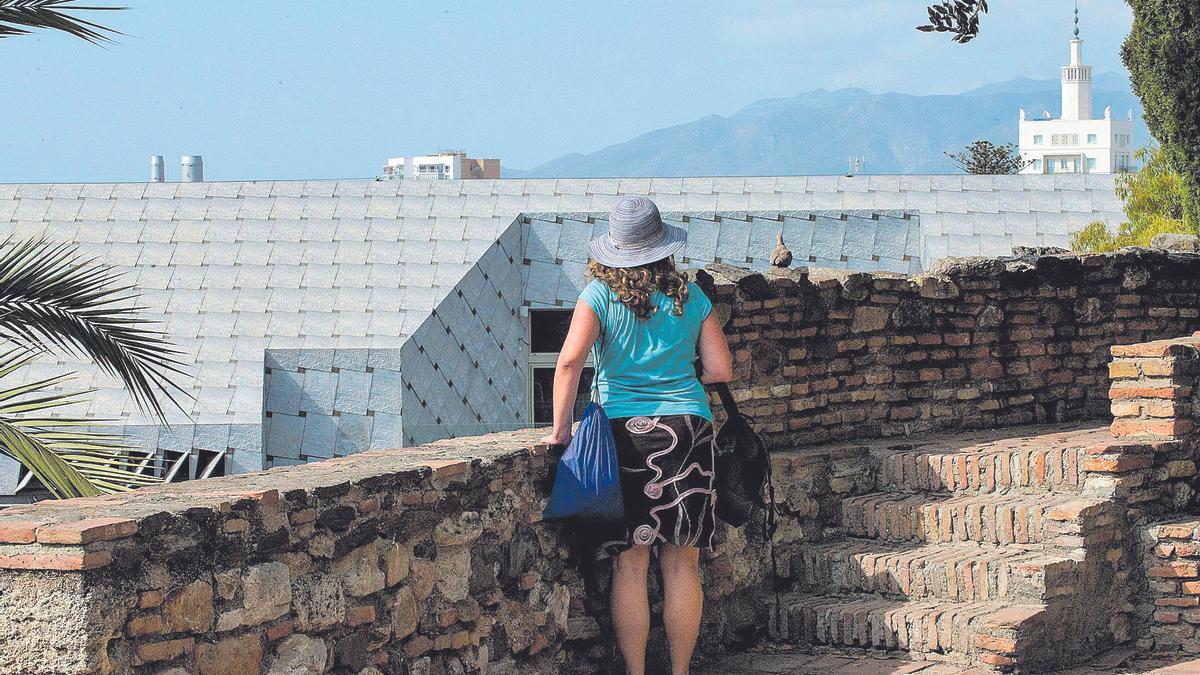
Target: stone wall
1155, 406
973, 343
432, 559
1156, 402
1171, 608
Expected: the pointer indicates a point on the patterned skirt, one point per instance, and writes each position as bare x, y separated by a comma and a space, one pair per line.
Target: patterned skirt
666, 482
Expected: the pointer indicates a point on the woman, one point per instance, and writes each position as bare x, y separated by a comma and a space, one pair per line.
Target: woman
650, 320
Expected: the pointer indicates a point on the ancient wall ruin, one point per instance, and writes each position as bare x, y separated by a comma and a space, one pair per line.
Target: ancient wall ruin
435, 558
973, 343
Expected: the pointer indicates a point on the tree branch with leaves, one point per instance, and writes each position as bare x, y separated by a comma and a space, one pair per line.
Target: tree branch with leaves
1162, 54
959, 17
983, 157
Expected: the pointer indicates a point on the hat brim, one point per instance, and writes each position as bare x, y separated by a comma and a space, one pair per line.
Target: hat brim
603, 252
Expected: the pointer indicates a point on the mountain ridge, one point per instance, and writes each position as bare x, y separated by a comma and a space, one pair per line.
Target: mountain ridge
816, 132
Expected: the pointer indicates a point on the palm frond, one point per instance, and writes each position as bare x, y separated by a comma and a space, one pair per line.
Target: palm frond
20, 17
70, 461
53, 297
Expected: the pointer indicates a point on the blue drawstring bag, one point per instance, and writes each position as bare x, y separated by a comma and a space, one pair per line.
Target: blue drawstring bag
587, 484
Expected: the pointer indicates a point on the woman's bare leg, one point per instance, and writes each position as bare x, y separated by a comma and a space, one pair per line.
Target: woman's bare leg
631, 607
683, 602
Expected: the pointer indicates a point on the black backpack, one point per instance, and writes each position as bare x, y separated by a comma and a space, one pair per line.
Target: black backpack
743, 467
743, 480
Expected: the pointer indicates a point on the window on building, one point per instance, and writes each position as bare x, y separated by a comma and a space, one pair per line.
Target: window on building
1036, 165
547, 331
1091, 138
1037, 139
1064, 139
1091, 163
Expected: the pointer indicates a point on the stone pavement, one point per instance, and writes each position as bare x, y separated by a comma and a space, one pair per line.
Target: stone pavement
780, 661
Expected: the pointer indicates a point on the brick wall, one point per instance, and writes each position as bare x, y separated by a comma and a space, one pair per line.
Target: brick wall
973, 343
1155, 404
1171, 608
1154, 407
435, 556
433, 559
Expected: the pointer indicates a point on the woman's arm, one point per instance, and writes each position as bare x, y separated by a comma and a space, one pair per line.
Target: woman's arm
715, 360
585, 328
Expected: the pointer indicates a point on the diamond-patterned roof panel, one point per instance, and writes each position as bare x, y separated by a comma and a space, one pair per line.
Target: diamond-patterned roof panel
232, 268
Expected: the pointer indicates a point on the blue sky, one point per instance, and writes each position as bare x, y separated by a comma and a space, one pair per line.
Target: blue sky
268, 89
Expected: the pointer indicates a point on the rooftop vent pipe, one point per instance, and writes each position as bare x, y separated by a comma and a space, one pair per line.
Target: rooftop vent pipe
191, 169
158, 171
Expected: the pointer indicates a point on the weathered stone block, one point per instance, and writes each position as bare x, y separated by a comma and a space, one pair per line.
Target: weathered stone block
360, 571
266, 595
299, 655
395, 563
404, 613
189, 609
319, 601
241, 655
459, 530
164, 650
454, 571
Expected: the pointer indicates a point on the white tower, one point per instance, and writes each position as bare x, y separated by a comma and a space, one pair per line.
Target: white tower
1076, 142
1076, 82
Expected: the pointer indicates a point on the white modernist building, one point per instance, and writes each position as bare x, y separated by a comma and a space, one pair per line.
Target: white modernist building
447, 165
1077, 143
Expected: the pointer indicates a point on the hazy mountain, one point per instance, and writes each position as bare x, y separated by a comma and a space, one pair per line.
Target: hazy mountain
816, 132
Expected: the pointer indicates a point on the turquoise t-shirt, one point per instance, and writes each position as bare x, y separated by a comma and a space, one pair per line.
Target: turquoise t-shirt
648, 367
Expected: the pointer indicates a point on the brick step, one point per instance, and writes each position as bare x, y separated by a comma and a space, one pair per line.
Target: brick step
962, 572
985, 519
1040, 464
990, 634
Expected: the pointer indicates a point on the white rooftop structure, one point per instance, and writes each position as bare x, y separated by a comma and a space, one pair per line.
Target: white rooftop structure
331, 316
445, 165
1076, 142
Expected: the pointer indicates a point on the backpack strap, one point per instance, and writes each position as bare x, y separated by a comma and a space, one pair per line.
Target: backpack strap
722, 389
770, 524
596, 362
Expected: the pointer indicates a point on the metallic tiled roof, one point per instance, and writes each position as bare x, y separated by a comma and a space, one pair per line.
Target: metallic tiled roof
237, 268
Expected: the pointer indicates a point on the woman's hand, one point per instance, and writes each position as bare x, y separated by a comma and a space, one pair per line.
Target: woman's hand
557, 437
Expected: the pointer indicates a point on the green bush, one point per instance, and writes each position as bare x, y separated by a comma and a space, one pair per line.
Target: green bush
1154, 197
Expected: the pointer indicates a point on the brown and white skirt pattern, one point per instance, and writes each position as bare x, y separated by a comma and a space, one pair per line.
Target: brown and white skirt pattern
666, 466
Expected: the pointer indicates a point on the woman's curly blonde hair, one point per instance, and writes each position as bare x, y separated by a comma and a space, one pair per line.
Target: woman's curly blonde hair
633, 286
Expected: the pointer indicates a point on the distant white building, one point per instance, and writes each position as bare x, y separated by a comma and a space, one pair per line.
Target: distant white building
1076, 142
445, 165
